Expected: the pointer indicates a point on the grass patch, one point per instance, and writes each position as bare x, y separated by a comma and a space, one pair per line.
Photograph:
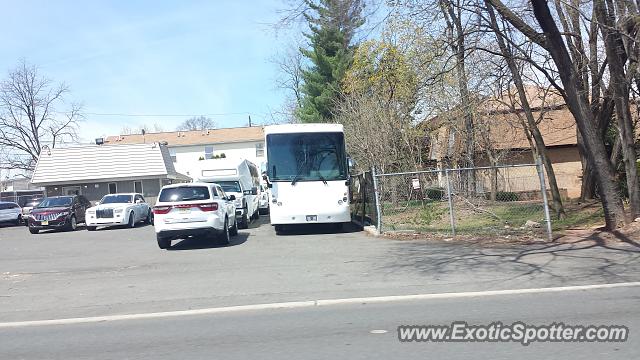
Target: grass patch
581, 217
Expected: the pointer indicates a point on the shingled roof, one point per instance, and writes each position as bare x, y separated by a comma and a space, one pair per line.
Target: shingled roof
93, 163
194, 137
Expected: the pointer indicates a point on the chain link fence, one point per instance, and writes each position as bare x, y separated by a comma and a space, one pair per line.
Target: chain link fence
499, 200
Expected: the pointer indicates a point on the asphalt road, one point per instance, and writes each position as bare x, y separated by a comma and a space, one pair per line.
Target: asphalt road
121, 271
339, 332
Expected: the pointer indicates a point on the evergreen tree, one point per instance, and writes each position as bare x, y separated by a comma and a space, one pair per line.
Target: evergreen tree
332, 27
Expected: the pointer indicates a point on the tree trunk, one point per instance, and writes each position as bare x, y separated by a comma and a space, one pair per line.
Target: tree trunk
578, 105
617, 57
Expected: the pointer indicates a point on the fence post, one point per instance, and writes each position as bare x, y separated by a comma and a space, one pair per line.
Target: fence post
363, 196
543, 188
377, 200
451, 215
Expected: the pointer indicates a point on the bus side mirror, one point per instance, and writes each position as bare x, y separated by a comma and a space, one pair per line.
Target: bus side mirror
351, 163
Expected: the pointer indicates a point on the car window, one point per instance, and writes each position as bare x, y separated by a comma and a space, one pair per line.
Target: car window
62, 201
139, 197
230, 186
184, 193
116, 199
4, 206
223, 195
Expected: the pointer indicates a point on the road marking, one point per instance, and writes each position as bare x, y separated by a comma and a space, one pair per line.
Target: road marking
378, 331
311, 303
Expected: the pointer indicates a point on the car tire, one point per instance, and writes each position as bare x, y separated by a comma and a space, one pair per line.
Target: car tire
91, 228
264, 211
234, 230
34, 231
163, 243
73, 224
224, 236
149, 218
244, 222
18, 220
132, 220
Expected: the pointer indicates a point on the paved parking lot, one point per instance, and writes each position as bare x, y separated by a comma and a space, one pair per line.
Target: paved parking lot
120, 271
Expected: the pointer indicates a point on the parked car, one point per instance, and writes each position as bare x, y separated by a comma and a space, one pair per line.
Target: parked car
119, 209
58, 212
26, 209
194, 209
10, 212
263, 201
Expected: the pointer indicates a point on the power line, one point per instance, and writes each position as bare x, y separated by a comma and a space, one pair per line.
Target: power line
167, 115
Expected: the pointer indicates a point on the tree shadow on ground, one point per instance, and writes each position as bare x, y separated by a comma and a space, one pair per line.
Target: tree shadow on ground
594, 255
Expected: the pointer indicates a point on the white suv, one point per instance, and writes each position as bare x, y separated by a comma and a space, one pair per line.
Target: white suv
194, 209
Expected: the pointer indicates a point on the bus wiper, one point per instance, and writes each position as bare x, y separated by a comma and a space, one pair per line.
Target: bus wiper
324, 181
299, 173
296, 178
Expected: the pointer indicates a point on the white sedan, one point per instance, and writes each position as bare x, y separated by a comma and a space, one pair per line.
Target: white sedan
119, 209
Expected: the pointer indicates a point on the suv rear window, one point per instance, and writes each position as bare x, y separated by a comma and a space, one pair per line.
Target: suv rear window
185, 193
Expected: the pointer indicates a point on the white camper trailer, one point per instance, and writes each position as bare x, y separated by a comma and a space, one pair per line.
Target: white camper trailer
237, 177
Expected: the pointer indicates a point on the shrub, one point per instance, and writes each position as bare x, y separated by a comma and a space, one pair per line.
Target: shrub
434, 193
506, 196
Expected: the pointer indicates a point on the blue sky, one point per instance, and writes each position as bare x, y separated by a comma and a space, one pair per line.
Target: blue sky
150, 57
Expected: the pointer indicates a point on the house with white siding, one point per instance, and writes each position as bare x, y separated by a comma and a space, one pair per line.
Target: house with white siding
188, 147
98, 170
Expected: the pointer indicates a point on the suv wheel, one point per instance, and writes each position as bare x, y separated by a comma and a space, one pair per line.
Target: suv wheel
234, 230
18, 220
73, 223
163, 243
33, 231
150, 217
224, 236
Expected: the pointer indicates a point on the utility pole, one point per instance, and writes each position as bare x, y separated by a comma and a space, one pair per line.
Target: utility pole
249, 120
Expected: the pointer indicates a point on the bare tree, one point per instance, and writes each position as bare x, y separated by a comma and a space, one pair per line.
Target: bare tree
574, 93
197, 123
29, 117
530, 126
289, 64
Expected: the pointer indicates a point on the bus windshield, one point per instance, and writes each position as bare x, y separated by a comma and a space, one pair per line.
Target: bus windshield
306, 157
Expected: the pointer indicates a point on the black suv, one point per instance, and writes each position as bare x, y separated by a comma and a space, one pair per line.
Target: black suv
58, 212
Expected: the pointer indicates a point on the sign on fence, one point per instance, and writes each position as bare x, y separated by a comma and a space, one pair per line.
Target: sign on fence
416, 184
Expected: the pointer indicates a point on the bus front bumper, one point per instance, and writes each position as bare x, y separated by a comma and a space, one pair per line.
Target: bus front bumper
282, 219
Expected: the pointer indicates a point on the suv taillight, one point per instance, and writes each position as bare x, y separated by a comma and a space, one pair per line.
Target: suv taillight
161, 209
208, 207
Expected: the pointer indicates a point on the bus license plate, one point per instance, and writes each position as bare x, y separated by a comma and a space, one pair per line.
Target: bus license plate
312, 217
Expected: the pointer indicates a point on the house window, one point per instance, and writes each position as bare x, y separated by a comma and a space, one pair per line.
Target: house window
208, 152
137, 187
259, 149
113, 188
172, 153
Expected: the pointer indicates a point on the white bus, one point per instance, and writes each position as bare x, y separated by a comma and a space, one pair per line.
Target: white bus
307, 172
